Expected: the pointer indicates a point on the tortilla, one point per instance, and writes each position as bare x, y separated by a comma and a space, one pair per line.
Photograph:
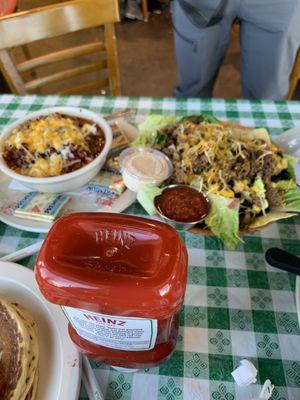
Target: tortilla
33, 349
14, 352
32, 392
272, 216
18, 352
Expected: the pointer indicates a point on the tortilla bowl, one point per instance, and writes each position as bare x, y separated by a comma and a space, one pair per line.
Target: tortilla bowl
207, 232
260, 222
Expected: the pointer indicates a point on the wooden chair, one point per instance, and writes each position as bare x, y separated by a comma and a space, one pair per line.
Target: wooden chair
295, 77
23, 28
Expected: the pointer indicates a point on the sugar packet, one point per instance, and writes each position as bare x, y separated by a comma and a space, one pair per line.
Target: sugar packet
120, 139
40, 206
107, 180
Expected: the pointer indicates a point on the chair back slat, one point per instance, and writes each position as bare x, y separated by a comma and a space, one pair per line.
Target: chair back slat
21, 29
61, 55
55, 20
66, 74
99, 83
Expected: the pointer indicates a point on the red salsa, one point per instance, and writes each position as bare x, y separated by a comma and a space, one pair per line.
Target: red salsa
182, 203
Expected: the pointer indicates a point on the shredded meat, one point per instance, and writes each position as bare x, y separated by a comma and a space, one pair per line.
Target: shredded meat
274, 197
270, 167
245, 219
179, 176
15, 157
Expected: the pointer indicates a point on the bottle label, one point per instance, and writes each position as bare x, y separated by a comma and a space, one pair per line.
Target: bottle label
132, 334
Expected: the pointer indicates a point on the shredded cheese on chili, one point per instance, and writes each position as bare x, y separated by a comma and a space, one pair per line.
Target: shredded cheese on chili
44, 133
48, 144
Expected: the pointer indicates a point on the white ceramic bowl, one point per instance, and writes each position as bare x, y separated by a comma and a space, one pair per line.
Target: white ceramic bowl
65, 182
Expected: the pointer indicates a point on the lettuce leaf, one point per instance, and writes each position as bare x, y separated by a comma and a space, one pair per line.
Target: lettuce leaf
146, 197
209, 119
260, 133
260, 191
149, 130
291, 161
223, 220
291, 197
289, 208
149, 134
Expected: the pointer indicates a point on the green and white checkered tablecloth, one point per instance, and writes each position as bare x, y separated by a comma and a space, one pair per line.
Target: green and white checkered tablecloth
236, 306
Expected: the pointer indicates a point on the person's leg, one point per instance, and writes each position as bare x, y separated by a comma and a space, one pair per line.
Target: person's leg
199, 52
270, 37
133, 10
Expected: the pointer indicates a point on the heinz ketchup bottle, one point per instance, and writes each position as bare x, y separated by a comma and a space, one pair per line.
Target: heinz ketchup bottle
7, 7
120, 280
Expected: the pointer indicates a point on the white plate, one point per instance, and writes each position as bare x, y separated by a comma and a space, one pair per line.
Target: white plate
59, 361
120, 204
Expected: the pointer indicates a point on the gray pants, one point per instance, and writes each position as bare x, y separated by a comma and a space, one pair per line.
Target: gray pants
269, 37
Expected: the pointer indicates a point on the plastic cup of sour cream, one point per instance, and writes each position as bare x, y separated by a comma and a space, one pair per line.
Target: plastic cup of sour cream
143, 165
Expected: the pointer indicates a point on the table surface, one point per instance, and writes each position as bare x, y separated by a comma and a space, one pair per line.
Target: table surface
236, 306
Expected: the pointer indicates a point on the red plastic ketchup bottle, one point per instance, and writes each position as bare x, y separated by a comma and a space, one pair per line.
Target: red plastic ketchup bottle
120, 280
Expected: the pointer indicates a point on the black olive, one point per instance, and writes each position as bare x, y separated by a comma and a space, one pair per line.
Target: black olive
282, 176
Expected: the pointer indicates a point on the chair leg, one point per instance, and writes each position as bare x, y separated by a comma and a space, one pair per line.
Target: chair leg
294, 77
145, 10
292, 88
